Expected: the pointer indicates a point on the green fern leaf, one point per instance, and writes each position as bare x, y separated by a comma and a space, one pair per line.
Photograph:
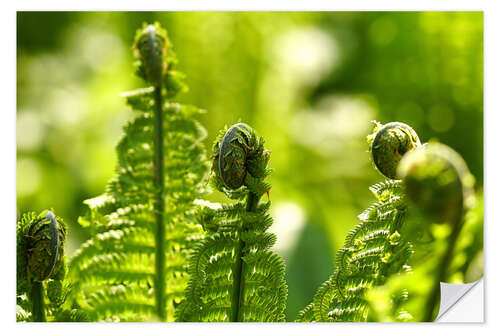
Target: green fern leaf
373, 251
134, 266
234, 276
377, 248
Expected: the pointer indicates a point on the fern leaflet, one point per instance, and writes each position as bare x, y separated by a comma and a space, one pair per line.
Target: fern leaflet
373, 251
134, 266
234, 274
378, 247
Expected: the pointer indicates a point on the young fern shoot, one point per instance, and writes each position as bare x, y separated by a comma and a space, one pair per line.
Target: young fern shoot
376, 248
134, 266
439, 185
41, 263
234, 276
439, 191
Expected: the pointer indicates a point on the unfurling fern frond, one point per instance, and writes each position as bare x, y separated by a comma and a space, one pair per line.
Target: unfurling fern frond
41, 263
373, 251
441, 188
378, 247
134, 266
440, 192
234, 274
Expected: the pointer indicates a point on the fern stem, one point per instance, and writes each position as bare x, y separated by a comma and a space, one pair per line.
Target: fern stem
38, 302
159, 206
238, 268
238, 283
443, 270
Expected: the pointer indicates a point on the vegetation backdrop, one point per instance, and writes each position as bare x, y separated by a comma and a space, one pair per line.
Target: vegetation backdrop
310, 83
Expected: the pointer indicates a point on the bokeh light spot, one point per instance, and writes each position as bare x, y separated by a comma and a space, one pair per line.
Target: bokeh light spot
307, 54
441, 118
336, 121
411, 113
29, 130
28, 176
383, 31
289, 219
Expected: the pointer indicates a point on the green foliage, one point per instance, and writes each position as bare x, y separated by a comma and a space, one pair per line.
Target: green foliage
440, 188
438, 182
373, 251
234, 274
467, 264
263, 79
384, 303
73, 315
41, 266
313, 111
390, 266
378, 247
134, 266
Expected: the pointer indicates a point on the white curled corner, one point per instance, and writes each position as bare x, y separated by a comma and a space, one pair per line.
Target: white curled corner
461, 302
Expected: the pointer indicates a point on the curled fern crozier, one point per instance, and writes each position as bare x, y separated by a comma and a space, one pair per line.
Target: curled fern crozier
238, 153
437, 181
378, 247
388, 143
440, 186
40, 259
150, 47
234, 274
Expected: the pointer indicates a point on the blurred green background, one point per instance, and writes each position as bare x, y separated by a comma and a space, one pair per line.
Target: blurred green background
310, 83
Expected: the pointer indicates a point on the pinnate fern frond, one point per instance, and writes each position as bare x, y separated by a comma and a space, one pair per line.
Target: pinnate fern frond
134, 266
234, 275
378, 247
373, 251
390, 268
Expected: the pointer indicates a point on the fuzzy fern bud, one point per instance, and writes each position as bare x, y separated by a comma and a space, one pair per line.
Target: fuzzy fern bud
239, 151
234, 275
151, 44
388, 144
45, 247
437, 181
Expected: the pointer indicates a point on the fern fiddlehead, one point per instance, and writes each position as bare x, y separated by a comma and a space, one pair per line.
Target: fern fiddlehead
439, 190
376, 248
388, 143
234, 275
40, 257
134, 266
439, 184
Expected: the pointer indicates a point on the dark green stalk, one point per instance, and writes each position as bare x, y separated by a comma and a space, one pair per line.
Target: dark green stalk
159, 205
238, 267
38, 302
443, 269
